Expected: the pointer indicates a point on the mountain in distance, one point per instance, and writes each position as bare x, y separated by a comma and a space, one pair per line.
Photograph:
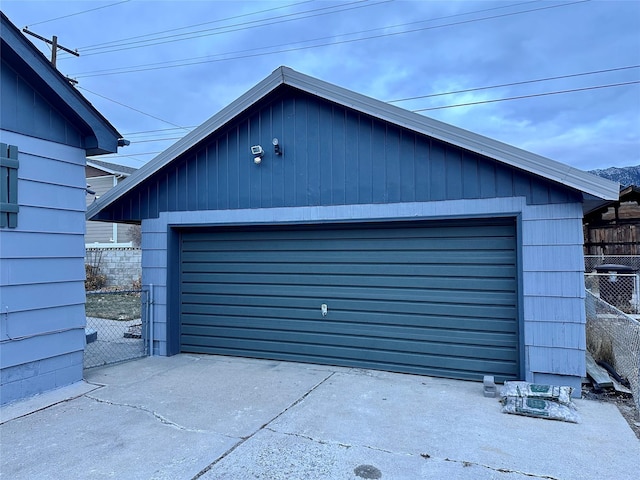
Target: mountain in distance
624, 175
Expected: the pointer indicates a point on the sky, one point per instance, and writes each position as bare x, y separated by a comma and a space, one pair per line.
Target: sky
557, 78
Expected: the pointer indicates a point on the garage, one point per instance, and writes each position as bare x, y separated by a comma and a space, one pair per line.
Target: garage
435, 250
433, 298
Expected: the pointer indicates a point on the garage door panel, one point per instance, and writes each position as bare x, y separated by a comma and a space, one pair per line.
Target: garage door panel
465, 285
257, 264
360, 346
339, 355
338, 307
355, 255
396, 290
383, 231
426, 298
223, 325
363, 246
371, 280
200, 315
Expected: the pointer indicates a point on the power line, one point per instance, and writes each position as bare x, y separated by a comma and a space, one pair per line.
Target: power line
135, 69
527, 96
229, 28
155, 140
524, 82
105, 44
126, 69
131, 108
156, 130
77, 13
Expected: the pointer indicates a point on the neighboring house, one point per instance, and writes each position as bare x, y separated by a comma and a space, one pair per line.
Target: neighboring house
101, 177
614, 228
46, 129
365, 236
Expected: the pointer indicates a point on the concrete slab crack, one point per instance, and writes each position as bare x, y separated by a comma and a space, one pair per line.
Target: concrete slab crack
156, 415
465, 463
307, 437
262, 427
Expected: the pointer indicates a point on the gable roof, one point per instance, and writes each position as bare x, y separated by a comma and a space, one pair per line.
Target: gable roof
99, 135
111, 168
595, 189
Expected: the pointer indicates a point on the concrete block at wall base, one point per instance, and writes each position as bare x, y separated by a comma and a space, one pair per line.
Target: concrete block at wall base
559, 380
33, 378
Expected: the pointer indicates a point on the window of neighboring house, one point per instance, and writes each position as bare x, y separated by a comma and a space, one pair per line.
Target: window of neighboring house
8, 186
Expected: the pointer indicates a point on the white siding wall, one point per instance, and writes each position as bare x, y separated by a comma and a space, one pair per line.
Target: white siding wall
552, 303
42, 271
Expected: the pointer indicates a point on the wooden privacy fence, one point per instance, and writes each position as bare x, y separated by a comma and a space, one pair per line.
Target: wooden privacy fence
612, 240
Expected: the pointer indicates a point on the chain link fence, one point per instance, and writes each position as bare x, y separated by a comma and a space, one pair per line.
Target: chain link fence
614, 337
116, 326
615, 279
617, 289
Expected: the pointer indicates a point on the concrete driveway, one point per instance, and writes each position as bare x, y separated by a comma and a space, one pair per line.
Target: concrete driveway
212, 417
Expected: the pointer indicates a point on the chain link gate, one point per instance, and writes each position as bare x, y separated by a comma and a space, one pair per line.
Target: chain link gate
117, 326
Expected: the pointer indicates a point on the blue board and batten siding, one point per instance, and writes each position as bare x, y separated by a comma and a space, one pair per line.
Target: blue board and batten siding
42, 276
24, 110
331, 156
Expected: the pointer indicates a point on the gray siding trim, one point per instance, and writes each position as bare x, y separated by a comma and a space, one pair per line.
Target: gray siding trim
558, 310
529, 162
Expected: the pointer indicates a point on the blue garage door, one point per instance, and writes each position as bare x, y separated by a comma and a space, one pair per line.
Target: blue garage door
428, 298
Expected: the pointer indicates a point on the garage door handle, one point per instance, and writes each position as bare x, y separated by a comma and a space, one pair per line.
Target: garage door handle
324, 309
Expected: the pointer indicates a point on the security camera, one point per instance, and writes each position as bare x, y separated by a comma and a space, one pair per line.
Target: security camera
257, 150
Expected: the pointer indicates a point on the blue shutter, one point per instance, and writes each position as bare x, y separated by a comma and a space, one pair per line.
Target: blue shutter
8, 186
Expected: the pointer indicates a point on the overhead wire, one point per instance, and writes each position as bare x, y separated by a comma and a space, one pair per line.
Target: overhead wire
135, 69
511, 84
167, 63
228, 28
195, 25
77, 13
519, 97
131, 108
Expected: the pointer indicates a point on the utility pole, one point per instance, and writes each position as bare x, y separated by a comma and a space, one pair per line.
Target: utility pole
54, 45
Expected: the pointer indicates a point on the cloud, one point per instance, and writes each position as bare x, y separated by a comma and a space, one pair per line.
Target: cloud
446, 46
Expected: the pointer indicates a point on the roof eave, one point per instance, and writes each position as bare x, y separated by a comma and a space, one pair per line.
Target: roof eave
104, 136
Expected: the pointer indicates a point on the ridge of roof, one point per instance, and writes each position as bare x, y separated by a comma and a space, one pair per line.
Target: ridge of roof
109, 167
587, 183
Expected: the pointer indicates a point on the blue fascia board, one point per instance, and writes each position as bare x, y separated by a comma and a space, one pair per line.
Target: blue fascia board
100, 136
591, 186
